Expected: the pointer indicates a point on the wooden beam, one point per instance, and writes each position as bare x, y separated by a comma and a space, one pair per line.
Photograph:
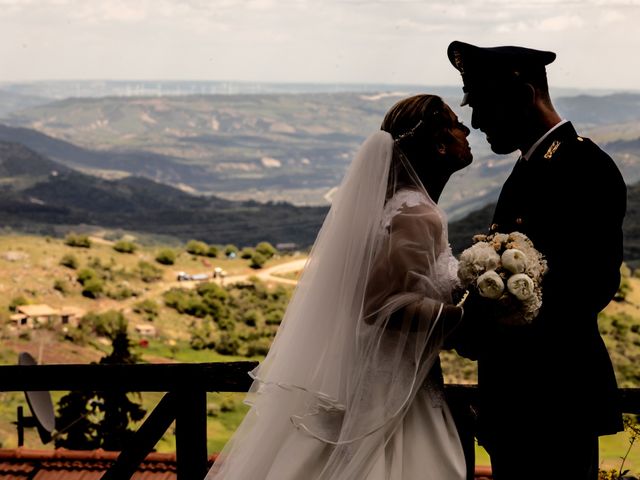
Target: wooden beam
211, 377
144, 439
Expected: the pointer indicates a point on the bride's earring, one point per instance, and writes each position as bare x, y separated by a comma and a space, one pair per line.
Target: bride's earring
442, 150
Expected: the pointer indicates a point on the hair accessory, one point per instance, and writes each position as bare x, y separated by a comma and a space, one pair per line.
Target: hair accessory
409, 133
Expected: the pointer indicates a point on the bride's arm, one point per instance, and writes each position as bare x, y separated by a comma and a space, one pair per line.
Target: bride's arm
403, 273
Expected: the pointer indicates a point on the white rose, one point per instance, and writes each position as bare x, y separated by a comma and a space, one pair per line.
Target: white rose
521, 286
490, 285
475, 260
514, 260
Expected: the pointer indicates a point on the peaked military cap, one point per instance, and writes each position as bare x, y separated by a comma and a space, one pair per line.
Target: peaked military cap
481, 67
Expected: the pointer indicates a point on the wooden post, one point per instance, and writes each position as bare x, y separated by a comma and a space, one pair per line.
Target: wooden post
191, 434
20, 426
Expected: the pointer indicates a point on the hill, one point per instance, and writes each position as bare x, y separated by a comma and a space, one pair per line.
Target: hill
157, 167
49, 198
180, 321
42, 196
461, 231
273, 146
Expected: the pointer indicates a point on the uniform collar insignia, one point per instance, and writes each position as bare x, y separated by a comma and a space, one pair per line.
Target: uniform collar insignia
552, 149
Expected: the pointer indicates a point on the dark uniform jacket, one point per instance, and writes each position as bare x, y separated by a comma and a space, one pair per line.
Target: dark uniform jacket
569, 198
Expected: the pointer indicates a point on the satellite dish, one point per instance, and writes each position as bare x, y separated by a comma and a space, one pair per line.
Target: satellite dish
41, 407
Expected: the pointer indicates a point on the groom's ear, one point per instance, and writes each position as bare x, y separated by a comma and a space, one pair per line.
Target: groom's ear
524, 94
529, 94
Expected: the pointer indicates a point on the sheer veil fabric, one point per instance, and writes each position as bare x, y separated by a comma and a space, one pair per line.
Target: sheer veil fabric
360, 334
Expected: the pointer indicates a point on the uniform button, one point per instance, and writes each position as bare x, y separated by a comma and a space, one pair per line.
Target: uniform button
519, 221
580, 139
494, 227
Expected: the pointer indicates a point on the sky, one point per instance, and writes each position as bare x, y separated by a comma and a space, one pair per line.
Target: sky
319, 41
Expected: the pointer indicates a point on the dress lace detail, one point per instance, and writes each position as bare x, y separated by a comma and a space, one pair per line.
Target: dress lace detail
405, 198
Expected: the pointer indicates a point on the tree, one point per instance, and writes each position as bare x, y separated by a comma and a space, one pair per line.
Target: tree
92, 420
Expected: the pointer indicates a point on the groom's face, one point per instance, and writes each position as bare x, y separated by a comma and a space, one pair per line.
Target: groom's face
498, 116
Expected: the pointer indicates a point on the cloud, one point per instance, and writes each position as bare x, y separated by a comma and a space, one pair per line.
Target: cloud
303, 40
560, 23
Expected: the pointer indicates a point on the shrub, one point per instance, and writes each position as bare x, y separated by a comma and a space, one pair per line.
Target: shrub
125, 246
196, 247
92, 288
166, 257
247, 253
274, 317
121, 292
61, 286
230, 250
81, 241
70, 261
17, 302
213, 251
86, 274
202, 336
257, 260
228, 344
259, 346
266, 249
148, 272
226, 323
147, 307
228, 405
252, 318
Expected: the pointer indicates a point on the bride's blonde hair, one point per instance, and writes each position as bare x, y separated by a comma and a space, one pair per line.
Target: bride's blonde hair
418, 125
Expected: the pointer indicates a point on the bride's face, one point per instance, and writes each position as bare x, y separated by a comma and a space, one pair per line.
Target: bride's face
456, 150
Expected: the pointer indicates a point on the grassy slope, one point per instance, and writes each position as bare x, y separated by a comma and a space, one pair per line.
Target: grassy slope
33, 278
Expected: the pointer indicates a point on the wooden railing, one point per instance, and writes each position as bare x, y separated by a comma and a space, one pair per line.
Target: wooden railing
186, 386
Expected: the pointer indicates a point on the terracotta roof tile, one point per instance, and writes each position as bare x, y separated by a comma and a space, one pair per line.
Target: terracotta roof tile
61, 464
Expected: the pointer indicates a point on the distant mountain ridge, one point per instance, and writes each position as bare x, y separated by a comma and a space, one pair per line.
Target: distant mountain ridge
49, 198
276, 146
40, 195
155, 166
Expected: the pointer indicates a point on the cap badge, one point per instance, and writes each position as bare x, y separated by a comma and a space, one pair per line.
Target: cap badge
457, 58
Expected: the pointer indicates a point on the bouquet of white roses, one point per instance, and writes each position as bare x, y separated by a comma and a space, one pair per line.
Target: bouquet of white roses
508, 269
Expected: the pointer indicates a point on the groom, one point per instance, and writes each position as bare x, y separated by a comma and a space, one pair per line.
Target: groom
547, 389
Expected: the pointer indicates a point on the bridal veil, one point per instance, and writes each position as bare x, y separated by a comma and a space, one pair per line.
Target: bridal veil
361, 331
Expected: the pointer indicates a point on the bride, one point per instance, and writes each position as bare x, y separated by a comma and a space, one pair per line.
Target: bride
352, 388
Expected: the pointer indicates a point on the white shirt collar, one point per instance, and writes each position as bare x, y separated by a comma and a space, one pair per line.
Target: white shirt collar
527, 155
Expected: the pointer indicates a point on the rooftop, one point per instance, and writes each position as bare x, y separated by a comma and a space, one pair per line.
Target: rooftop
21, 464
61, 464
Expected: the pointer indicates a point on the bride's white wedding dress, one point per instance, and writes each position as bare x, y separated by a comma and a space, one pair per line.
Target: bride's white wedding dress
352, 387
